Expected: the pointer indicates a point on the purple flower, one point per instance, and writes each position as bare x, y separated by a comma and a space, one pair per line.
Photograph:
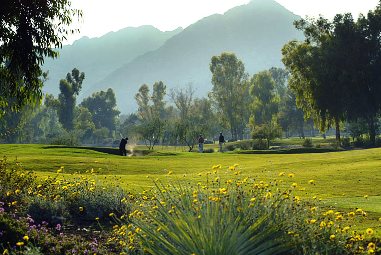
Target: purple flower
2, 209
30, 219
58, 227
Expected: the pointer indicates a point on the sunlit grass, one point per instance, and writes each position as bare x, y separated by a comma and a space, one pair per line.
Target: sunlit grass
342, 179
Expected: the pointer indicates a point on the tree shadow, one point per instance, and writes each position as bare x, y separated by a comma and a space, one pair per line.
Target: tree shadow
106, 150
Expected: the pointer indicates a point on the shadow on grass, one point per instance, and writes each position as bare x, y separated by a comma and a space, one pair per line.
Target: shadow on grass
290, 151
113, 151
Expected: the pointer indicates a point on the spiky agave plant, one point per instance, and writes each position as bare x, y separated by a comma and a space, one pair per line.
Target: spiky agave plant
210, 221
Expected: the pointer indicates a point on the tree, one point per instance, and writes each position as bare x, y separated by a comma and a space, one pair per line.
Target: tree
83, 122
316, 66
365, 81
280, 77
290, 117
329, 84
230, 92
29, 31
195, 116
102, 106
69, 88
151, 110
264, 108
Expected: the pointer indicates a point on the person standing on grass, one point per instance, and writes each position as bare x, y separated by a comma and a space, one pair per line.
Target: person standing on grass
200, 144
221, 140
122, 146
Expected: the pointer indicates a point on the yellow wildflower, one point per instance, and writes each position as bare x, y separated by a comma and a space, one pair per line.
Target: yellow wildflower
20, 243
369, 231
371, 246
332, 237
26, 238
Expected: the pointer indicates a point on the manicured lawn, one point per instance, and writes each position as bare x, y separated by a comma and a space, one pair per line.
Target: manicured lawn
342, 179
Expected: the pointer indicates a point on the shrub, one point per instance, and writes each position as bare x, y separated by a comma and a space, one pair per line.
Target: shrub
87, 205
214, 221
211, 150
53, 212
345, 142
14, 183
307, 143
11, 229
259, 145
240, 216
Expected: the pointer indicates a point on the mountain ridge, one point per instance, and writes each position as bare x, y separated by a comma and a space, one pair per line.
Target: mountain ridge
255, 32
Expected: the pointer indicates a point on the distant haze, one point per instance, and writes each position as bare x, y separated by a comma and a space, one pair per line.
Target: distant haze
125, 59
101, 17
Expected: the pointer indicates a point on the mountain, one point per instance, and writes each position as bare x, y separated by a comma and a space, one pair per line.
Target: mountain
255, 32
98, 57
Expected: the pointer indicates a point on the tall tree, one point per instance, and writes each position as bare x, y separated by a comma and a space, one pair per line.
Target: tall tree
330, 84
365, 85
316, 70
264, 108
151, 109
69, 88
195, 116
230, 92
29, 31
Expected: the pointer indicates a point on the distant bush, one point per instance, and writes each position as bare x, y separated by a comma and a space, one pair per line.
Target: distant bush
290, 151
345, 142
252, 144
211, 150
259, 144
307, 143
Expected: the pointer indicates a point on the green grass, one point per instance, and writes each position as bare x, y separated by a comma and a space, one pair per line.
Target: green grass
342, 178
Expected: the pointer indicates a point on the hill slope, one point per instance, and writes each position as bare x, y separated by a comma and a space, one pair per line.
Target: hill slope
97, 57
255, 32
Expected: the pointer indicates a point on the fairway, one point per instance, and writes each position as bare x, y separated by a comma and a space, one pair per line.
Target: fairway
348, 179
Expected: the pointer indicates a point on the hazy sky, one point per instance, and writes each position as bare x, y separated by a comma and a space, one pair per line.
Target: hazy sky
102, 16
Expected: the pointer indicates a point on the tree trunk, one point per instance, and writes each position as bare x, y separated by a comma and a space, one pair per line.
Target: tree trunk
337, 123
372, 131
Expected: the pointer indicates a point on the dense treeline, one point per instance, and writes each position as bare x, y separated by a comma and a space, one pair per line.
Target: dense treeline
335, 71
260, 107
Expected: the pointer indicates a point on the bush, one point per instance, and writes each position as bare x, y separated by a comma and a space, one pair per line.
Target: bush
307, 143
11, 229
53, 212
345, 142
259, 145
255, 144
211, 150
86, 205
214, 221
14, 182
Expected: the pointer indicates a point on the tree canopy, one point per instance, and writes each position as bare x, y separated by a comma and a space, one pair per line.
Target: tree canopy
29, 31
335, 70
230, 92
